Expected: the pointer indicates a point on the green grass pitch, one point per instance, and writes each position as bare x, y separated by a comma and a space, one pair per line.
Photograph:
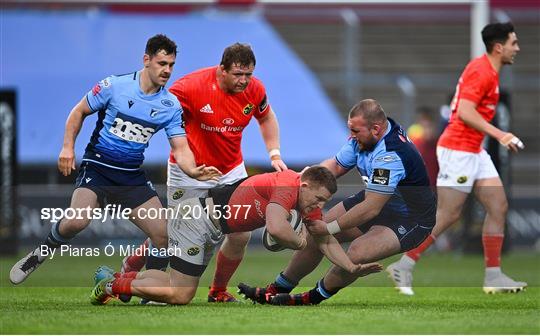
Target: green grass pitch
448, 300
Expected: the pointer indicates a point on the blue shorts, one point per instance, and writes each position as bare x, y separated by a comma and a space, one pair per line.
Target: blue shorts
115, 186
409, 232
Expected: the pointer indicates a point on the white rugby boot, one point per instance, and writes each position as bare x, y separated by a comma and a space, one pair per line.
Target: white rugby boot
401, 276
497, 282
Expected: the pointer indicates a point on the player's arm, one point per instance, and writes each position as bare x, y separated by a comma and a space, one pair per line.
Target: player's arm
357, 215
467, 113
186, 161
331, 248
334, 167
277, 225
270, 133
66, 159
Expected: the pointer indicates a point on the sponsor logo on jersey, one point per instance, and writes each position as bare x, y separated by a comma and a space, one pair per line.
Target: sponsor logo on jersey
462, 179
443, 176
88, 179
193, 251
106, 83
153, 112
258, 208
167, 103
96, 89
228, 121
221, 129
386, 158
130, 103
380, 176
178, 194
150, 185
132, 129
247, 109
206, 109
401, 230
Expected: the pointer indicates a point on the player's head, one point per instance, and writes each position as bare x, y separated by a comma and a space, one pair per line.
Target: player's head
501, 39
367, 123
159, 58
317, 185
236, 67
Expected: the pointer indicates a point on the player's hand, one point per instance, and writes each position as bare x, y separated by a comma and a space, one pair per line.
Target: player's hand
66, 161
317, 227
279, 165
204, 173
511, 142
302, 235
362, 270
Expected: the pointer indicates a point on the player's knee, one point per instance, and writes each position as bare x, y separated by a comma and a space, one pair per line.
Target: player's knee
71, 227
181, 296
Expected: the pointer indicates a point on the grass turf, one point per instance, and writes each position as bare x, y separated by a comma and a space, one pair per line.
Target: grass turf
448, 300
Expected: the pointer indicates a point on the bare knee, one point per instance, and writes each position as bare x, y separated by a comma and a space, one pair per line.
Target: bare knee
239, 238
181, 296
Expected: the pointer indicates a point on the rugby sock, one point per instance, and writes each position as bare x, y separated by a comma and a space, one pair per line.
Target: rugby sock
128, 275
119, 286
492, 249
320, 293
54, 239
155, 260
137, 261
225, 268
415, 253
284, 284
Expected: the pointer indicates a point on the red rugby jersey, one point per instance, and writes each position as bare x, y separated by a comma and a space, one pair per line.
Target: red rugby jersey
214, 120
260, 190
478, 83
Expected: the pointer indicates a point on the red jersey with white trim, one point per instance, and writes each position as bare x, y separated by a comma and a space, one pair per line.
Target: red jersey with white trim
478, 83
256, 192
214, 120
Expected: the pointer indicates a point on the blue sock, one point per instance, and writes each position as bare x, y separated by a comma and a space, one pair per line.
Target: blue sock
284, 284
55, 239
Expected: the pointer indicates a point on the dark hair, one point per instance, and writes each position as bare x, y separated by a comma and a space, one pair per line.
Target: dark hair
496, 33
320, 176
160, 42
238, 53
370, 110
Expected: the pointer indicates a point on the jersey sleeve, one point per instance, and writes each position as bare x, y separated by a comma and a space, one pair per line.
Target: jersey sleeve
474, 86
179, 90
98, 98
263, 107
388, 171
174, 127
346, 157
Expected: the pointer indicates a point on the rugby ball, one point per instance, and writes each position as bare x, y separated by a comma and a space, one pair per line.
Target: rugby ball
295, 220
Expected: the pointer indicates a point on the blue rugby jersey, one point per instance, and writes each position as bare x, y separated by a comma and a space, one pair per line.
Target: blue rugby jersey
394, 167
127, 119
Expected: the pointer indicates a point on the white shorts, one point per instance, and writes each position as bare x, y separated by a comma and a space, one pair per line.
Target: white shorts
181, 187
459, 170
192, 238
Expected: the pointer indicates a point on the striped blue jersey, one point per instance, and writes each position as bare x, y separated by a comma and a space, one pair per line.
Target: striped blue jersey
394, 167
127, 119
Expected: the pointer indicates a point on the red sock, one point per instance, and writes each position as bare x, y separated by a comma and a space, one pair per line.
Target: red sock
121, 286
225, 268
137, 261
414, 254
128, 275
492, 249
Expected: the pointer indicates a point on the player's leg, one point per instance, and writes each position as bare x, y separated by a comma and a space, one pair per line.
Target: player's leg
229, 257
303, 261
490, 193
377, 243
61, 233
454, 183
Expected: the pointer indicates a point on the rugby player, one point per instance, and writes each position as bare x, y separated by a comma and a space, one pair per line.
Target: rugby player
218, 103
131, 109
465, 166
395, 212
264, 199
